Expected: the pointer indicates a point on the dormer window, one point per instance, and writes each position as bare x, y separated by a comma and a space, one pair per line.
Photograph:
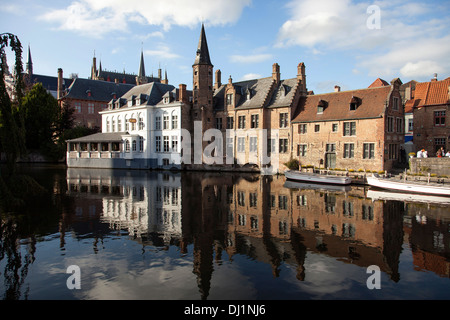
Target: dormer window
321, 106
354, 103
248, 94
89, 93
166, 100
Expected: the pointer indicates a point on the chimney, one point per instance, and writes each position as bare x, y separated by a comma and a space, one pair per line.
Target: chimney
60, 84
276, 72
435, 77
218, 79
182, 93
337, 89
302, 76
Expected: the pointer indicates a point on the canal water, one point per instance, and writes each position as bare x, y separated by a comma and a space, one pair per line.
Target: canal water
149, 235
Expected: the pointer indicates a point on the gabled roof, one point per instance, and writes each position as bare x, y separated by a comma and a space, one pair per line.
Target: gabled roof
371, 104
259, 90
154, 92
432, 93
379, 83
101, 137
99, 90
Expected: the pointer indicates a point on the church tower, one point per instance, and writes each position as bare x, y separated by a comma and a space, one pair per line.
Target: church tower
203, 84
141, 78
29, 65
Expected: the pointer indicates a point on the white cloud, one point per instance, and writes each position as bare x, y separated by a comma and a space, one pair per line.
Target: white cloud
162, 51
251, 76
411, 41
250, 58
98, 17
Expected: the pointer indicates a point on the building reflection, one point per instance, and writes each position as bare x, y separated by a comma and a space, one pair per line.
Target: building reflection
262, 217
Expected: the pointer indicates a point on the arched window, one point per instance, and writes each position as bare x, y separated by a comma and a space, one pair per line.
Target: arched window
134, 145
107, 125
113, 124
127, 145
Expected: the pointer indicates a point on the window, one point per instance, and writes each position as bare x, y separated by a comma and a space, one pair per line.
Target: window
127, 145
141, 144
283, 145
174, 143
439, 118
334, 127
119, 124
395, 104
353, 106
349, 150
113, 124
230, 123
410, 124
253, 199
91, 108
255, 121
331, 147
127, 124
438, 143
253, 144
174, 122
270, 146
369, 151
166, 143
399, 125
241, 124
282, 202
393, 151
241, 198
158, 123
141, 122
390, 124
134, 145
108, 129
166, 122
219, 123
302, 128
317, 128
241, 144
158, 144
229, 99
283, 120
349, 128
78, 107
301, 150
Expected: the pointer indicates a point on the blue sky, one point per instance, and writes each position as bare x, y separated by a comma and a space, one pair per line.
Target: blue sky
342, 42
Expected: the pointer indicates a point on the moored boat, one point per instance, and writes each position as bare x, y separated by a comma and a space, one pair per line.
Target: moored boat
420, 187
406, 197
317, 177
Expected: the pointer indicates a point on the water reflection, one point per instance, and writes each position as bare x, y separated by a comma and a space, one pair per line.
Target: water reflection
214, 219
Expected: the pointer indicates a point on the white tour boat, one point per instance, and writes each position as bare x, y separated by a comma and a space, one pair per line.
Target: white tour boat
409, 186
317, 177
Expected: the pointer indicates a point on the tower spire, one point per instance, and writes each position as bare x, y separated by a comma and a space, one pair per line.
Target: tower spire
202, 56
141, 73
29, 66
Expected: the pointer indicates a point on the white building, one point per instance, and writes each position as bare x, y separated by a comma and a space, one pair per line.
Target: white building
140, 130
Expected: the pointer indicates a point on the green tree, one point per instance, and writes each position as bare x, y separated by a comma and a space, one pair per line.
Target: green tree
41, 120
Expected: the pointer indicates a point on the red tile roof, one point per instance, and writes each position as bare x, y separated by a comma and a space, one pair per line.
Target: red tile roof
372, 103
378, 83
432, 93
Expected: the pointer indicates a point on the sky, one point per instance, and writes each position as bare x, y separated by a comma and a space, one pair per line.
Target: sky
347, 43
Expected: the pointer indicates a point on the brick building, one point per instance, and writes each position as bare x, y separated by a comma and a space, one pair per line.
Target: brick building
88, 97
356, 129
430, 108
